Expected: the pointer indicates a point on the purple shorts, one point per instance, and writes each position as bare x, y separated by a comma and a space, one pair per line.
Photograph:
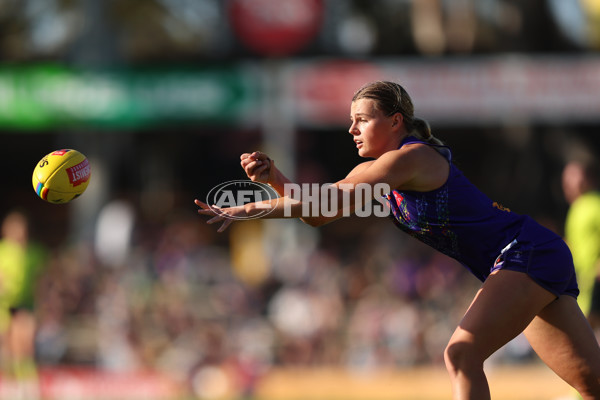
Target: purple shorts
550, 264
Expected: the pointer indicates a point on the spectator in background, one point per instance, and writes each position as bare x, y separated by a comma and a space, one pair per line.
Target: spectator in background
21, 261
580, 182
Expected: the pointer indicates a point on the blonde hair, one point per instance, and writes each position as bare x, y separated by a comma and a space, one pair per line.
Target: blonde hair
391, 98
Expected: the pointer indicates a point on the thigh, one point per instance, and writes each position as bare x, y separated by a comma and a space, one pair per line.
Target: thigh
564, 340
504, 306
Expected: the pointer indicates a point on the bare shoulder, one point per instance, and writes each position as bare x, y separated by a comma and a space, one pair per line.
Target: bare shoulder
360, 168
427, 168
413, 153
421, 152
415, 167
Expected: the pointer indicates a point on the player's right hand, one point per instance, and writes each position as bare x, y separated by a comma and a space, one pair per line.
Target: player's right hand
258, 166
218, 214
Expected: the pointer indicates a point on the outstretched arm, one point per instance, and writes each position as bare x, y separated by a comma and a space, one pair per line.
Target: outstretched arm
416, 167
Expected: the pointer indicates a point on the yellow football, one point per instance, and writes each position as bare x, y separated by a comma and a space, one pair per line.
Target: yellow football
61, 176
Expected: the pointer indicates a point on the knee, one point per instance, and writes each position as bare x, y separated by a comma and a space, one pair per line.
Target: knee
462, 357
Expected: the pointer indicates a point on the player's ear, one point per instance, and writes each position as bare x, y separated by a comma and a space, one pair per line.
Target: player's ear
397, 119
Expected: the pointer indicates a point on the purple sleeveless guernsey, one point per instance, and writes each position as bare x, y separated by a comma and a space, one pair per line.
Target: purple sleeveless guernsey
460, 221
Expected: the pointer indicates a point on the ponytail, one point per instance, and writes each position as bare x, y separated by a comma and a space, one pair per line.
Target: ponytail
422, 130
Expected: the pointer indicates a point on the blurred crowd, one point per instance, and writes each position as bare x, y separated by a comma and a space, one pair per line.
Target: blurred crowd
143, 283
141, 31
206, 308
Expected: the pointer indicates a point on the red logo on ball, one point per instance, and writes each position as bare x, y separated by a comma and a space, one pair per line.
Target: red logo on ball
79, 173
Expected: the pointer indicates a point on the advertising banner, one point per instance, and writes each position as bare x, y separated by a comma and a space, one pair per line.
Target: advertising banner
52, 96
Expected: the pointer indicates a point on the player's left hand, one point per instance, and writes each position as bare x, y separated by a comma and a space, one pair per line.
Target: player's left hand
218, 214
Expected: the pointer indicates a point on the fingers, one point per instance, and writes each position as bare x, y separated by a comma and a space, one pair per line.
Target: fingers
258, 167
205, 209
247, 158
249, 164
256, 155
203, 206
225, 225
213, 211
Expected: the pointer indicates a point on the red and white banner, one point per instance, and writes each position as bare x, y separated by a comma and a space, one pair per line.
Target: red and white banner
502, 89
90, 384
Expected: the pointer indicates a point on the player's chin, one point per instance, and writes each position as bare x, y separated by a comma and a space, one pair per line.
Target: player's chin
362, 152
